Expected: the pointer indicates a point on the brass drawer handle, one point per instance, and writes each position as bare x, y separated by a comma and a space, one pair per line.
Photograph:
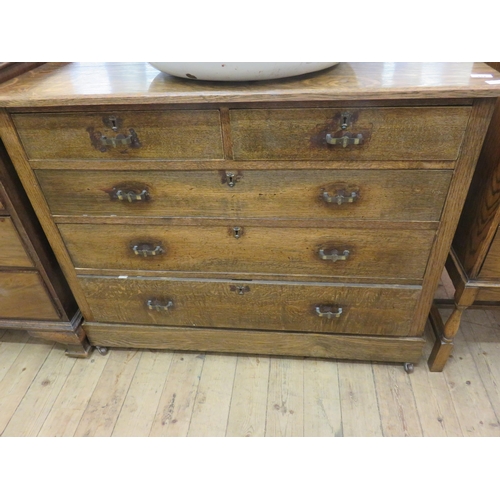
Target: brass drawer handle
347, 139
333, 255
341, 197
329, 312
130, 195
102, 142
158, 305
147, 250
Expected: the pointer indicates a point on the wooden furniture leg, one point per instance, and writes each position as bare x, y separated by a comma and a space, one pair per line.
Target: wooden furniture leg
72, 335
445, 332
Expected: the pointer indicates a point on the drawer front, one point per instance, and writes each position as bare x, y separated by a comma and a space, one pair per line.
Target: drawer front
12, 252
314, 194
252, 305
176, 134
250, 249
23, 296
491, 266
420, 133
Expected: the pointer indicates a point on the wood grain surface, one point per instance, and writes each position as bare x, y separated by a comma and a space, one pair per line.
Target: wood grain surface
424, 133
139, 83
12, 251
22, 295
356, 347
261, 305
388, 195
174, 134
292, 252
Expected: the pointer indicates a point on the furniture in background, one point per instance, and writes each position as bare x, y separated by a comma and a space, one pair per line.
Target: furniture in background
34, 294
474, 260
305, 217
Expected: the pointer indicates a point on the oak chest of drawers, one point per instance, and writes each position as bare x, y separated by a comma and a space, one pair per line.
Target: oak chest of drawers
34, 295
303, 217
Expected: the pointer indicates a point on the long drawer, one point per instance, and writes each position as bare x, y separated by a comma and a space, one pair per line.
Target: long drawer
252, 304
315, 194
243, 248
23, 296
419, 133
173, 135
12, 251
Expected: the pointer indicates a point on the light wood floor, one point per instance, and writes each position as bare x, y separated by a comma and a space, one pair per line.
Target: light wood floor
157, 393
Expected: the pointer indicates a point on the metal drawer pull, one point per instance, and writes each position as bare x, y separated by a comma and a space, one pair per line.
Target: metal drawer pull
333, 255
102, 143
328, 311
341, 197
121, 140
347, 139
157, 305
131, 196
147, 250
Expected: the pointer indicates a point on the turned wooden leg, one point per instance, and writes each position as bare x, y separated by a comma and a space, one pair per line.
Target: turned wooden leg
445, 333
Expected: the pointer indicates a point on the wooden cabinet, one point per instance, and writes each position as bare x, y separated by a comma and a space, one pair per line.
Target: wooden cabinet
305, 217
474, 260
34, 294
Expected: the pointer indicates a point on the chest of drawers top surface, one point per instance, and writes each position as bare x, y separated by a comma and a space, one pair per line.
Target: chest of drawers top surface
66, 84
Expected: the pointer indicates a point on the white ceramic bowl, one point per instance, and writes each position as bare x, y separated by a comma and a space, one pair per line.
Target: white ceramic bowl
238, 71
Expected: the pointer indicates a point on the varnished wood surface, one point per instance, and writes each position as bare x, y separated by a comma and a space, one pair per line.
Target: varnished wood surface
176, 134
32, 191
471, 147
481, 214
24, 296
12, 251
490, 270
389, 194
34, 240
258, 342
261, 305
433, 133
124, 83
291, 252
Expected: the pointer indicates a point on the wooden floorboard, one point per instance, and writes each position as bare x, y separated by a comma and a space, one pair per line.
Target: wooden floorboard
132, 392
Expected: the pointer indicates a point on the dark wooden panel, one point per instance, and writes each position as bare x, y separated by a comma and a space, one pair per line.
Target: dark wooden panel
255, 342
388, 195
491, 266
22, 295
176, 134
388, 133
12, 252
252, 305
258, 250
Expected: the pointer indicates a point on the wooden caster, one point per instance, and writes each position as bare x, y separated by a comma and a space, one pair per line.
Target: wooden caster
102, 350
408, 367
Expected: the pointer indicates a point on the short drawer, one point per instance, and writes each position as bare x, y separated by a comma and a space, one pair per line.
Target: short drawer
252, 305
243, 248
491, 266
23, 296
418, 133
171, 135
12, 251
314, 194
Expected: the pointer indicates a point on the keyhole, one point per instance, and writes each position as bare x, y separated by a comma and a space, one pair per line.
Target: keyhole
114, 124
237, 232
345, 120
230, 179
